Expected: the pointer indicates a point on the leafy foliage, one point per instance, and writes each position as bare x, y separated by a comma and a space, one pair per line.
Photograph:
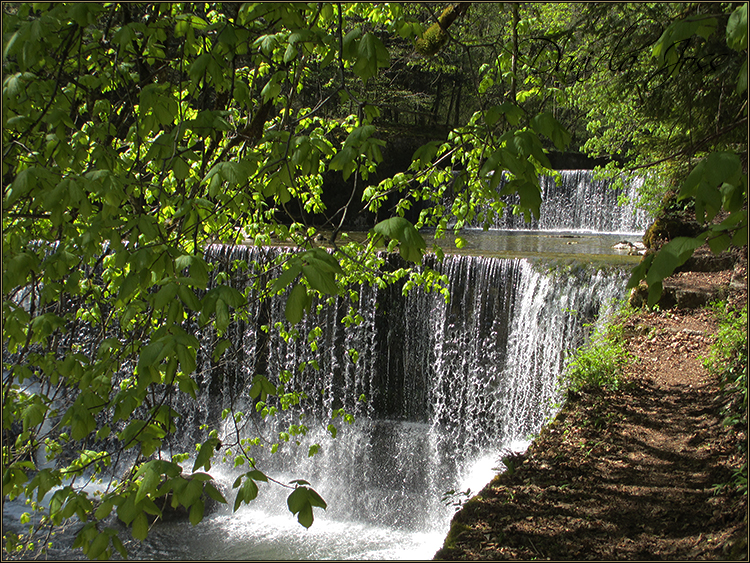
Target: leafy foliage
728, 360
135, 136
717, 183
598, 363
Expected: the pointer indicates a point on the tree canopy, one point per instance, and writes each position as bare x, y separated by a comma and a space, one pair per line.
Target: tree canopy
135, 135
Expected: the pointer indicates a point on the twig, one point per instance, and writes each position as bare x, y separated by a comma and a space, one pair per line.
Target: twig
692, 148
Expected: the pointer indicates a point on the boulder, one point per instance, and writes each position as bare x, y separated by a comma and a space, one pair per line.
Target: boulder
632, 248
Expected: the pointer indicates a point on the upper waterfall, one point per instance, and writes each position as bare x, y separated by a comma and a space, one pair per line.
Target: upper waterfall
580, 203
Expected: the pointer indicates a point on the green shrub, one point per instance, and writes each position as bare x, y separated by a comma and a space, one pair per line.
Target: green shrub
598, 363
728, 360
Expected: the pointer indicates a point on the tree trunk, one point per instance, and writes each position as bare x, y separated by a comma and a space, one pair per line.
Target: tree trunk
450, 105
436, 103
458, 105
514, 59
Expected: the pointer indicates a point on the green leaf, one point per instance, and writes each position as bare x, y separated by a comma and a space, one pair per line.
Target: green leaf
319, 278
272, 89
742, 79
250, 489
246, 493
192, 492
151, 354
733, 196
129, 286
186, 358
287, 276
187, 296
205, 453
737, 29
740, 236
671, 256
97, 546
705, 182
34, 414
322, 260
117, 542
187, 385
350, 42
103, 510
140, 526
424, 154
720, 243
371, 55
512, 113
222, 316
127, 510
654, 292
679, 31
238, 500
220, 348
214, 493
546, 124
290, 54
196, 512
411, 246
305, 515
297, 303
344, 161
23, 183
257, 475
198, 67
261, 387
297, 499
301, 502
150, 482
165, 295
530, 195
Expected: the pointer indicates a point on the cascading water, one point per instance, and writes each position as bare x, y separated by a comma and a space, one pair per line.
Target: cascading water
580, 203
448, 387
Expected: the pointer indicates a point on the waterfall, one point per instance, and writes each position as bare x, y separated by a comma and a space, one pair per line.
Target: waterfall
445, 383
447, 387
580, 203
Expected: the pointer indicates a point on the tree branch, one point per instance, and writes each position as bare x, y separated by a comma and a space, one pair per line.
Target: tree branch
692, 148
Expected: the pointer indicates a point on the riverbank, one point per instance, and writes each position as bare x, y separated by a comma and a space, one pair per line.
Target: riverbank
634, 473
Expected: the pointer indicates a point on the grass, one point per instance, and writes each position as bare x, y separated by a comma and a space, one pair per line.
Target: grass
728, 360
598, 363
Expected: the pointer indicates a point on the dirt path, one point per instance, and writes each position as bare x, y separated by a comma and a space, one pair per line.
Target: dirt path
622, 475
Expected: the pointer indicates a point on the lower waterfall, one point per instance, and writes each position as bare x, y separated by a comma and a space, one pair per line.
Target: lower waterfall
439, 391
447, 388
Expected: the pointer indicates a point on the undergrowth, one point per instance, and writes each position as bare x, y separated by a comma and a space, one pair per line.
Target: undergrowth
728, 359
598, 363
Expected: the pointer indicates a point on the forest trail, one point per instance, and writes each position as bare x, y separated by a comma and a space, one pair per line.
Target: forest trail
624, 475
